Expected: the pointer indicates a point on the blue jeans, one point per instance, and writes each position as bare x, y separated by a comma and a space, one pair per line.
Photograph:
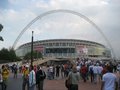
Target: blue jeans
95, 78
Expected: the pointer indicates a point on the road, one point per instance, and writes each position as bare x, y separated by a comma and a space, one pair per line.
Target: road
15, 84
57, 84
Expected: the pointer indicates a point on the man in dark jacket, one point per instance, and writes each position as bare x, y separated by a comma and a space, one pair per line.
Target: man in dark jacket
40, 76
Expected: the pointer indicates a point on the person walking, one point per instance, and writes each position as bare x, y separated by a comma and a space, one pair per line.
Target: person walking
40, 76
83, 72
32, 78
51, 70
25, 78
91, 73
15, 70
100, 69
62, 71
57, 71
5, 75
74, 77
95, 72
109, 80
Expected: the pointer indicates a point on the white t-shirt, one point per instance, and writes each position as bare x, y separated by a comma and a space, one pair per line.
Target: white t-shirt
32, 78
91, 67
109, 80
78, 68
51, 69
100, 68
95, 70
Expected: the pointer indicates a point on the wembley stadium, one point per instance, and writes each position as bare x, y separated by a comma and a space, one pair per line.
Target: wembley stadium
65, 48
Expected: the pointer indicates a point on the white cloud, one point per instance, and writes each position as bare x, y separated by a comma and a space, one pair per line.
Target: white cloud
103, 2
77, 3
71, 4
36, 30
13, 1
12, 16
41, 4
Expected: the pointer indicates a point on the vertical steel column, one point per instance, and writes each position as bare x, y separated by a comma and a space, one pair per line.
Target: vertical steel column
32, 49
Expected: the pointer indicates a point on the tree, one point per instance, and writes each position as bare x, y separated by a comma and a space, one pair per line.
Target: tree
27, 56
1, 27
12, 55
8, 55
1, 38
36, 55
4, 54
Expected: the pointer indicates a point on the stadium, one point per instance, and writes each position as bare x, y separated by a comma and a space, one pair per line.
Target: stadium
65, 48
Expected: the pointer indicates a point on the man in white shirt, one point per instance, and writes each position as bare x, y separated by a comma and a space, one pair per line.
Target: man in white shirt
91, 72
51, 70
32, 79
95, 72
78, 68
109, 80
100, 69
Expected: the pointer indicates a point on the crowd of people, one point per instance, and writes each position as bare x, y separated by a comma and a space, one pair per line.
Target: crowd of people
81, 69
96, 72
32, 76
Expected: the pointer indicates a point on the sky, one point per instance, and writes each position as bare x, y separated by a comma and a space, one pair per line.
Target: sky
15, 15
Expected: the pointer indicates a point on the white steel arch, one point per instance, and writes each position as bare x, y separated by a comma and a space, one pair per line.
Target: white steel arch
64, 11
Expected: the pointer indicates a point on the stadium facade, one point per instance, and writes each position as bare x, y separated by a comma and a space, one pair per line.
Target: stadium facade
65, 48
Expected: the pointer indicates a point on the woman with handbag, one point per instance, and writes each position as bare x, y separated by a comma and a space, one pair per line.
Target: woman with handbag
73, 79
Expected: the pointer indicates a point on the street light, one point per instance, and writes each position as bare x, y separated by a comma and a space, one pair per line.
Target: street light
32, 49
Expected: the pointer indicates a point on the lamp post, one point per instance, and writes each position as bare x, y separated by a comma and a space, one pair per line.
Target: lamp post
32, 49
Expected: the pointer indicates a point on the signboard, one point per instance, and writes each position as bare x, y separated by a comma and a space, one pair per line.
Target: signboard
39, 48
81, 49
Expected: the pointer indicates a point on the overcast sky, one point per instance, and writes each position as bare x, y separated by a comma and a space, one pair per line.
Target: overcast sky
16, 14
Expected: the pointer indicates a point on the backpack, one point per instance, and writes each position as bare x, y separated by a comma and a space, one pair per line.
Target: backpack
91, 69
68, 81
15, 70
42, 76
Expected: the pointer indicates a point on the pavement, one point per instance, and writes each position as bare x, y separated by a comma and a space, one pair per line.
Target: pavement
15, 84
57, 84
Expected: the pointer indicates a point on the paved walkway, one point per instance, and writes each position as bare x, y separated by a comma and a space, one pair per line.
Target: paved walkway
59, 85
16, 84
